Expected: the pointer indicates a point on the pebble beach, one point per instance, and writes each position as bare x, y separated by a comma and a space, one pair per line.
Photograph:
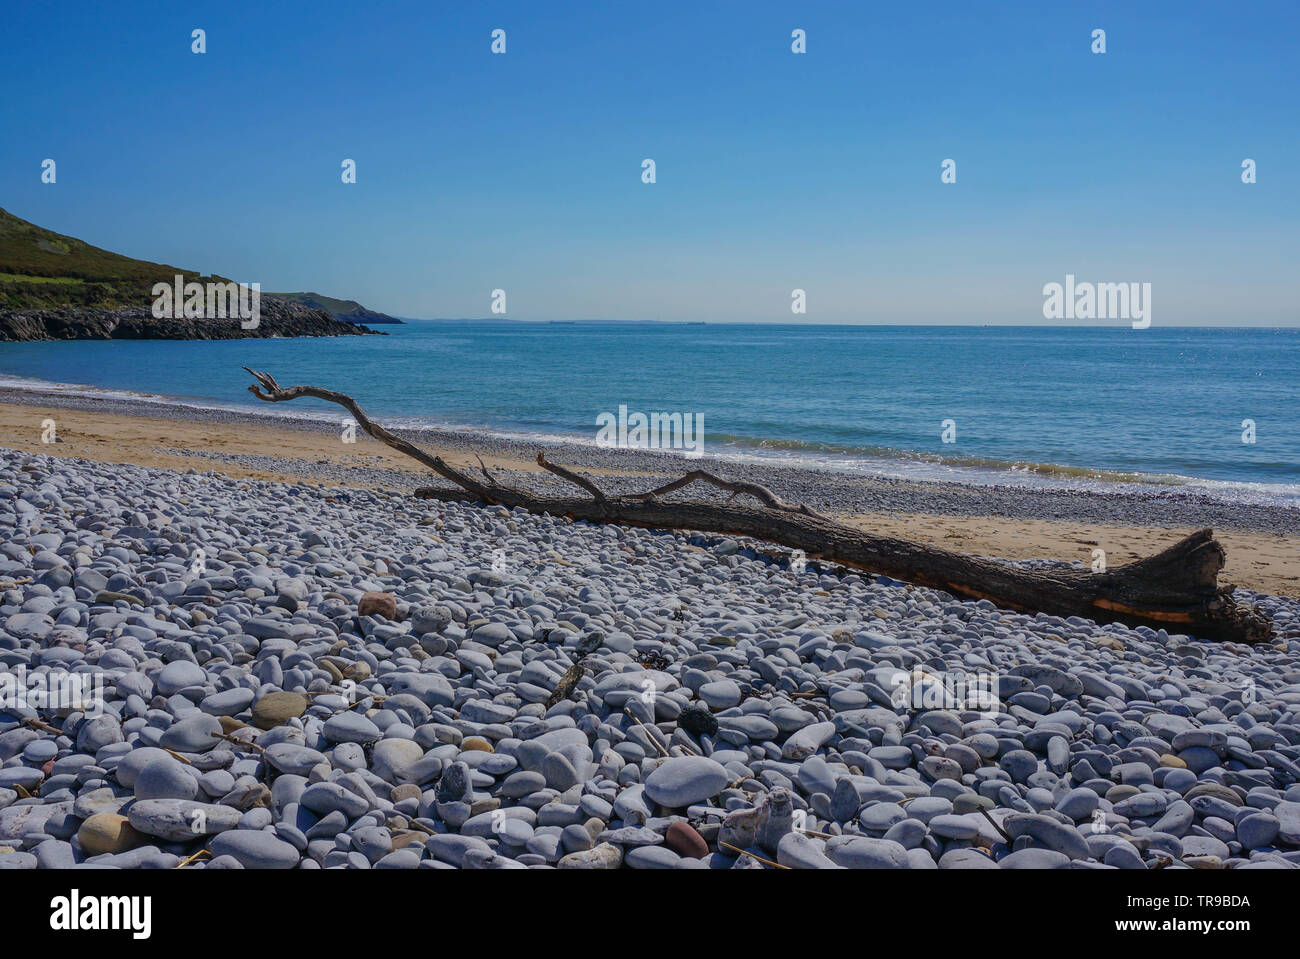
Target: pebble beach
289, 675
688, 439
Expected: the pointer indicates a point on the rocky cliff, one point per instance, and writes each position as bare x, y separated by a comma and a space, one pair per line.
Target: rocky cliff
278, 318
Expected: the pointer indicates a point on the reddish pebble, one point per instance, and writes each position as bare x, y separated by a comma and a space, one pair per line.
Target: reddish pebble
378, 604
48, 767
685, 841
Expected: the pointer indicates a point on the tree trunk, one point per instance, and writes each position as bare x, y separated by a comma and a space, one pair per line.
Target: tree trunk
1176, 589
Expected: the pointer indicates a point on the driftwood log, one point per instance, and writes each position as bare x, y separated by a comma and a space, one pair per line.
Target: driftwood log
1176, 589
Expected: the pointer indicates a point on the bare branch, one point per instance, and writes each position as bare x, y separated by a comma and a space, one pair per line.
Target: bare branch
572, 477
760, 493
272, 392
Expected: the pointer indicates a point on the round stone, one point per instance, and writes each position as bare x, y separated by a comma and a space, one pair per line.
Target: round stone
966, 859
194, 734
275, 709
1019, 764
108, 833
390, 758
1257, 829
351, 727
255, 849
954, 827
130, 765
685, 780
721, 695
429, 619
95, 734
182, 674
684, 840
165, 778
378, 604
178, 820
855, 852
227, 703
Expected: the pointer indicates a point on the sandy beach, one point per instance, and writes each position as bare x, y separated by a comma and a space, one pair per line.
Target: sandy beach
283, 448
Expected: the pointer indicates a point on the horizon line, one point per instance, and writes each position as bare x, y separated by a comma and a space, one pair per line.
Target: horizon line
1041, 326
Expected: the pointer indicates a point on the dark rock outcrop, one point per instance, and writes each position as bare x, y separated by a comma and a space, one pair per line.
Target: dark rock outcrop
278, 318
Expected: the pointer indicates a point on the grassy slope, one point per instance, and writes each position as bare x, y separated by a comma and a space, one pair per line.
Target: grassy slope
41, 269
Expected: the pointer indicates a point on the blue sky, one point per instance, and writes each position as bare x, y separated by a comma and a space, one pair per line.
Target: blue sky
775, 170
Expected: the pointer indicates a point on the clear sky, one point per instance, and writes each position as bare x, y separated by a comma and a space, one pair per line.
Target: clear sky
775, 170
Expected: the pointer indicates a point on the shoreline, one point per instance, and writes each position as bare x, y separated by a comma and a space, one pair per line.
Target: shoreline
1011, 522
874, 465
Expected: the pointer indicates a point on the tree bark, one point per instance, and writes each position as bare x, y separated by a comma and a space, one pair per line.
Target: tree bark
1176, 589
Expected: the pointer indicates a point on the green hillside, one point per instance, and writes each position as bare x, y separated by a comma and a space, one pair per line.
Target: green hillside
44, 270
41, 269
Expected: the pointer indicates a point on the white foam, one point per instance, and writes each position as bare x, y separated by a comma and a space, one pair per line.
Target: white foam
901, 467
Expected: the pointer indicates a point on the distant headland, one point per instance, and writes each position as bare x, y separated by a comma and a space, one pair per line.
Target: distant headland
56, 287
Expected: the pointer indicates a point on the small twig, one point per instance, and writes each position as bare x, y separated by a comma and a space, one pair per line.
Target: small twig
368, 700
994, 823
177, 756
239, 742
746, 852
194, 858
813, 832
483, 467
39, 724
418, 827
649, 735
15, 582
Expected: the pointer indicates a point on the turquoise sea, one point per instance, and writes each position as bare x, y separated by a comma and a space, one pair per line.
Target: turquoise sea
1055, 405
